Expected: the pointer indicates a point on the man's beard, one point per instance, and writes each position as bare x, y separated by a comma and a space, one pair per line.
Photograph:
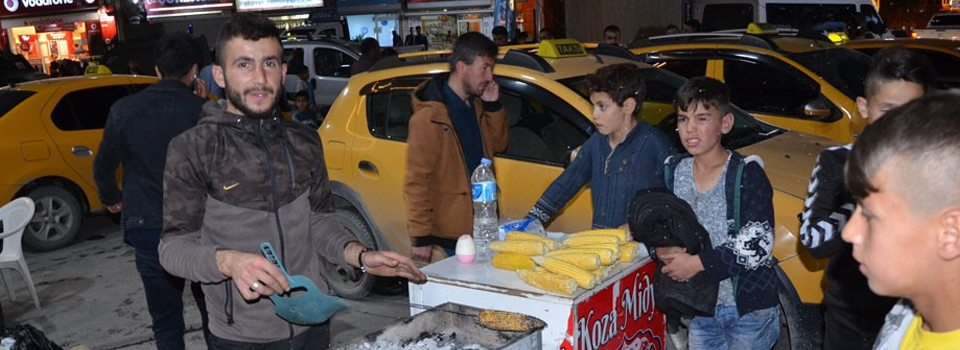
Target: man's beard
236, 99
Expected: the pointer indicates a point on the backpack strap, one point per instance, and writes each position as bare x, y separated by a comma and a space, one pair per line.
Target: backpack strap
737, 191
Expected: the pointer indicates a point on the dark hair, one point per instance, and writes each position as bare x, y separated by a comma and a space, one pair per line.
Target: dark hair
249, 26
922, 137
301, 93
707, 91
612, 28
621, 81
388, 51
176, 55
695, 24
671, 26
546, 32
368, 45
469, 46
499, 30
898, 63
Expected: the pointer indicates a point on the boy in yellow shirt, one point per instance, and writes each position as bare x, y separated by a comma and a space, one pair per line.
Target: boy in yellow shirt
905, 176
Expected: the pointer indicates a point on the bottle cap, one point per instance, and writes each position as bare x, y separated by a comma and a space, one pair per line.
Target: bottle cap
485, 161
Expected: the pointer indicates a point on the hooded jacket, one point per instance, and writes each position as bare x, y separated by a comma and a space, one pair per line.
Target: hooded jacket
233, 182
658, 218
748, 255
437, 183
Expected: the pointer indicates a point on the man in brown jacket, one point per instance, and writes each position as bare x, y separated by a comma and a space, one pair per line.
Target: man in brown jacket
457, 120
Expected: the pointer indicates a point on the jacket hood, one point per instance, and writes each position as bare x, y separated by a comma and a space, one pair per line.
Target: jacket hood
215, 112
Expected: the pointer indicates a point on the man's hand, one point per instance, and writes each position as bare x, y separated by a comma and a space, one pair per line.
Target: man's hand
386, 263
116, 208
201, 87
668, 251
491, 93
423, 254
252, 274
682, 266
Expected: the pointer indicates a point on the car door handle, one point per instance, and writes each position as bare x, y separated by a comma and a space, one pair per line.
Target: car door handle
366, 165
81, 151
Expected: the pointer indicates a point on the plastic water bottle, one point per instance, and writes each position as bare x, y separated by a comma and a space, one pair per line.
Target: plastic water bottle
485, 223
8, 343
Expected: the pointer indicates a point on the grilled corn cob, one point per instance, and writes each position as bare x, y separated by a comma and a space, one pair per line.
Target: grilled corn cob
624, 237
584, 278
607, 257
586, 261
519, 247
512, 261
550, 282
578, 240
507, 321
629, 251
524, 236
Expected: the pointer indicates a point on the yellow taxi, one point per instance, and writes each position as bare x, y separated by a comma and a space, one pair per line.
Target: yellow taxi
549, 116
944, 54
796, 83
49, 132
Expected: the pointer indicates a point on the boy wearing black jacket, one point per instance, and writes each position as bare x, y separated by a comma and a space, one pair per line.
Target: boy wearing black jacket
853, 314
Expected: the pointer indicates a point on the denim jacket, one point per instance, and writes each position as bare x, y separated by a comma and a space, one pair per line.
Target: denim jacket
614, 175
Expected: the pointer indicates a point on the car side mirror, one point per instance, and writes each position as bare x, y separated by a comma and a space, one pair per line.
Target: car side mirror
817, 109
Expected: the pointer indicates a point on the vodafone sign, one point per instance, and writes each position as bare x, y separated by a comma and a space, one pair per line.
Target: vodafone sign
32, 7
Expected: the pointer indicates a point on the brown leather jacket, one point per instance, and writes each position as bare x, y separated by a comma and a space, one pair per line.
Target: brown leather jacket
437, 184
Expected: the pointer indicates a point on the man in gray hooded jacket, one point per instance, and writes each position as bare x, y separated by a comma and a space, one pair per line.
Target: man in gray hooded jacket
243, 176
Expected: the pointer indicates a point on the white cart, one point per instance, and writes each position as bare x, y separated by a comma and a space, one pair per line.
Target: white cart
617, 314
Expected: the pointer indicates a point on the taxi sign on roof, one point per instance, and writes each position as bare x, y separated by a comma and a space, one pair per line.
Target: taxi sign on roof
561, 48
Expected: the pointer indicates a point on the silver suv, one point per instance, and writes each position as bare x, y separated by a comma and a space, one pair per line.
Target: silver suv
328, 60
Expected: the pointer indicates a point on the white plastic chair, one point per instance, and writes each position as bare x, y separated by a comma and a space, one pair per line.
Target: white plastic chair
15, 216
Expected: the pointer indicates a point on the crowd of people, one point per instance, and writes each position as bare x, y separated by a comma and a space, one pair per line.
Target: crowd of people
206, 181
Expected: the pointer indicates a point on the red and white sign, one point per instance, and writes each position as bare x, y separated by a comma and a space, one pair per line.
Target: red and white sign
621, 316
33, 7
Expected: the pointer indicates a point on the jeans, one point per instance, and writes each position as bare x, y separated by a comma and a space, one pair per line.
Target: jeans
164, 293
314, 338
757, 330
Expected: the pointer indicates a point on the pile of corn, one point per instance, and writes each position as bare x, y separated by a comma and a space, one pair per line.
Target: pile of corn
582, 260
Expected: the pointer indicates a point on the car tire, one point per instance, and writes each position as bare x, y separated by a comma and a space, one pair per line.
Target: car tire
57, 220
345, 280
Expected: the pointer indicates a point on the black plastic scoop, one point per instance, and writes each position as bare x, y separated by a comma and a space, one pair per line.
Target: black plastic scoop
309, 306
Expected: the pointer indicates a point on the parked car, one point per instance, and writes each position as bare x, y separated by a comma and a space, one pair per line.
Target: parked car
333, 29
944, 25
796, 83
328, 60
944, 54
549, 116
15, 69
49, 132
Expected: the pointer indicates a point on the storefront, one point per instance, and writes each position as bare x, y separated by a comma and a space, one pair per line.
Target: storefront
444, 21
45, 31
376, 19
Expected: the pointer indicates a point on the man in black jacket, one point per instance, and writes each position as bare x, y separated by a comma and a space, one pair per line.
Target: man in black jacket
136, 135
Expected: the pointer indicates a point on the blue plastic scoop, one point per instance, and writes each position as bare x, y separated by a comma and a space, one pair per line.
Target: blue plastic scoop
309, 306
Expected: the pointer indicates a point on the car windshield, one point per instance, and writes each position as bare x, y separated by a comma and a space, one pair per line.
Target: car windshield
658, 110
843, 68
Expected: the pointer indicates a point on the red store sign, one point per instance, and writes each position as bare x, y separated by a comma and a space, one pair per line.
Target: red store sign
33, 7
621, 316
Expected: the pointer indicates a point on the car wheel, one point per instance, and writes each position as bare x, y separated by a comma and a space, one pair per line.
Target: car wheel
56, 221
345, 280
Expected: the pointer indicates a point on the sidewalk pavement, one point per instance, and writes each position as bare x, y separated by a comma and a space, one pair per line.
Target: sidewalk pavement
91, 295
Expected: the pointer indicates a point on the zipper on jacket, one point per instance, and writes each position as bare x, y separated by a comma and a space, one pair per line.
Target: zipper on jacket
228, 304
275, 193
